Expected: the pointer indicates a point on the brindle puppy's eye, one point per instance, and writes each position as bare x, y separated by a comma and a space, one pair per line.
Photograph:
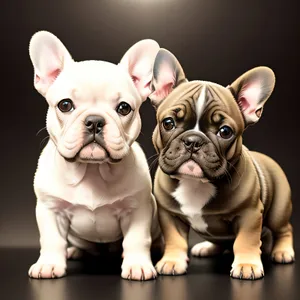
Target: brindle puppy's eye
225, 132
123, 109
65, 105
168, 123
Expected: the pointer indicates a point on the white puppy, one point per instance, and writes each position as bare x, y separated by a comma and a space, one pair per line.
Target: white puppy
92, 182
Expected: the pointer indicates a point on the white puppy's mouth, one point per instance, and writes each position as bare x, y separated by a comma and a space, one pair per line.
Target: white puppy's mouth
93, 152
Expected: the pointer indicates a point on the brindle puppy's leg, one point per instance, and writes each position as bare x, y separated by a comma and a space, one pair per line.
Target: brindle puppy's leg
278, 221
279, 214
175, 259
247, 262
283, 251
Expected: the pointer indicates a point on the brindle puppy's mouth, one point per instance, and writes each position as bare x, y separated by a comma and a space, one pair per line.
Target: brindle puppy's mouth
199, 162
206, 168
190, 170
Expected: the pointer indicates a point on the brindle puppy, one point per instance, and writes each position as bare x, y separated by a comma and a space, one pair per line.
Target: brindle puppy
207, 179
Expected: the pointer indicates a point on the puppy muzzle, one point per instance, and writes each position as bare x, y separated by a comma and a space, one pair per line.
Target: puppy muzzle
191, 154
94, 148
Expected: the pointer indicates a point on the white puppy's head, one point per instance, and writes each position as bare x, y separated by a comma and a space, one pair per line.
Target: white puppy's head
93, 113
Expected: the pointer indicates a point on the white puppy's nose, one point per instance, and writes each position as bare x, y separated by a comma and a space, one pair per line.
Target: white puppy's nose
94, 124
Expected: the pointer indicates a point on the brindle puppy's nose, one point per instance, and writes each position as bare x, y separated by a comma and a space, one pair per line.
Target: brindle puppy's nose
192, 143
94, 124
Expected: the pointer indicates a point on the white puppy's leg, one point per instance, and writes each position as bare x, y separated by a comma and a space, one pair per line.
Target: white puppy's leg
53, 254
136, 227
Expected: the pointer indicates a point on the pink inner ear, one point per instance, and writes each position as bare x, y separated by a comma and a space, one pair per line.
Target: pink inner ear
164, 83
37, 78
134, 79
140, 74
163, 91
243, 103
53, 75
249, 97
166, 75
49, 78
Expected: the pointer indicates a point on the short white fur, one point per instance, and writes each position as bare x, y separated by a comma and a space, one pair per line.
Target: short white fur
200, 106
193, 195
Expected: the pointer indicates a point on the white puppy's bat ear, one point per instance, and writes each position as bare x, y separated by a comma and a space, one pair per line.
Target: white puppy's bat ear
138, 62
167, 74
251, 91
49, 57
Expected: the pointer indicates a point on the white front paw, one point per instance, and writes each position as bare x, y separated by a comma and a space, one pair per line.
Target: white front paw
49, 266
138, 268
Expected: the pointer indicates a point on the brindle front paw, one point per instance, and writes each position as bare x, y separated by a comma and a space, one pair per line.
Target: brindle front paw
247, 271
170, 265
283, 257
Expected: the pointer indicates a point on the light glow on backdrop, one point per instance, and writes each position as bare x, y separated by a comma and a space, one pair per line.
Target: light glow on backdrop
147, 1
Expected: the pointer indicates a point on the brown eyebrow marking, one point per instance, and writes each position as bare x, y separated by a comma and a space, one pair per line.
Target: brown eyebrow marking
179, 112
217, 118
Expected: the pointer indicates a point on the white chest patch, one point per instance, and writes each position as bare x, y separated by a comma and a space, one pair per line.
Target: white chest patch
192, 195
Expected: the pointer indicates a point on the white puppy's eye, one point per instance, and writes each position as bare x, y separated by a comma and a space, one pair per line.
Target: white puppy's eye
123, 109
65, 105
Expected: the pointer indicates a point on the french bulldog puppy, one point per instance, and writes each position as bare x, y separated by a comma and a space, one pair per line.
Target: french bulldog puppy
92, 181
207, 179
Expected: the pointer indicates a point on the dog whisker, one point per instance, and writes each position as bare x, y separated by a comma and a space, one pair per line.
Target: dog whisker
152, 156
44, 128
153, 163
43, 140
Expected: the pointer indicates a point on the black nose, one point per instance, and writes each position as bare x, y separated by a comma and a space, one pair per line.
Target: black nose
192, 143
94, 124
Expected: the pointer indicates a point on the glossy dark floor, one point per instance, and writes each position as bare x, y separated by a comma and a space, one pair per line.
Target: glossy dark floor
207, 279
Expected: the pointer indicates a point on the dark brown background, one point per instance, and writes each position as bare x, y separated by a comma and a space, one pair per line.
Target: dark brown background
214, 40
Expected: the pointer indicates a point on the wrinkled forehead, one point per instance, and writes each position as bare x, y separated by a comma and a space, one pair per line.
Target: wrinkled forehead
196, 97
213, 96
94, 81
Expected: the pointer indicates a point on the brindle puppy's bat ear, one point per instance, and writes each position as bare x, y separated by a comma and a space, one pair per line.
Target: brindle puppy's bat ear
251, 91
167, 74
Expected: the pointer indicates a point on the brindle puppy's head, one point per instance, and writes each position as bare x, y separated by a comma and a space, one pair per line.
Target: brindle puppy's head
199, 123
